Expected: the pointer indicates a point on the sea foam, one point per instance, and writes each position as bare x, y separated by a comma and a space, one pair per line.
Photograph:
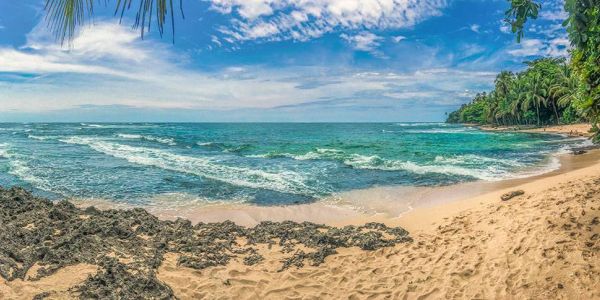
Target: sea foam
166, 141
285, 181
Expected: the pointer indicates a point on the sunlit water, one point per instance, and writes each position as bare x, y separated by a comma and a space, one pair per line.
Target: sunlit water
264, 164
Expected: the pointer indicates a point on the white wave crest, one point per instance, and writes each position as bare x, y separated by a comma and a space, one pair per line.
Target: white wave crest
4, 150
285, 181
19, 168
421, 124
376, 163
39, 138
472, 159
166, 141
461, 130
496, 169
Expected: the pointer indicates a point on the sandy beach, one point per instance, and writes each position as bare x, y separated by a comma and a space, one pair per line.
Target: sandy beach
467, 244
582, 130
541, 245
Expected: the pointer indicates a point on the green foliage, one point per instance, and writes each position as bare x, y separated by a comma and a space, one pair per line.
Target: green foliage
475, 112
65, 16
519, 12
570, 115
583, 27
547, 92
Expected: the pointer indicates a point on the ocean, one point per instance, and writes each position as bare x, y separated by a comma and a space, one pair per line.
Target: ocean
260, 163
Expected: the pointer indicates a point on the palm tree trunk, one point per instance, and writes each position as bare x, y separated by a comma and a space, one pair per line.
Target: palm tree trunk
556, 113
537, 109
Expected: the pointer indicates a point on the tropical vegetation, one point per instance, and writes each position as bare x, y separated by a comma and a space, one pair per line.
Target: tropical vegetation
549, 91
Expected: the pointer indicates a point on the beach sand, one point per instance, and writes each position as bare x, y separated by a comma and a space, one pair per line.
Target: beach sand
571, 129
468, 244
544, 244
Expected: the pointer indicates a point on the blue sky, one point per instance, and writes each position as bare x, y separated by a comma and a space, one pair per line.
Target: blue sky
267, 60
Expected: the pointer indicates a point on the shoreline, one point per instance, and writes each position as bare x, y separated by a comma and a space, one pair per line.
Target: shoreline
379, 204
385, 204
465, 243
573, 130
542, 244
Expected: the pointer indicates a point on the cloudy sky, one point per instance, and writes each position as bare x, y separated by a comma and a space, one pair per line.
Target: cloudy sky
267, 60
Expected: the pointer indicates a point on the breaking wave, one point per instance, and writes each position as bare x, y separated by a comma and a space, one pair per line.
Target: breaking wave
285, 181
18, 167
166, 141
476, 166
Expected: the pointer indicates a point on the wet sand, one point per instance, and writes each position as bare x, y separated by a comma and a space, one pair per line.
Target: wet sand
380, 204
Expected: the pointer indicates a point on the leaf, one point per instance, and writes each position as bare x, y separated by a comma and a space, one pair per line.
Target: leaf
64, 17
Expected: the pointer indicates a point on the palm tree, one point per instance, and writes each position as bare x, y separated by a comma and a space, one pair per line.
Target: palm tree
503, 82
515, 96
547, 84
582, 26
64, 16
535, 94
564, 90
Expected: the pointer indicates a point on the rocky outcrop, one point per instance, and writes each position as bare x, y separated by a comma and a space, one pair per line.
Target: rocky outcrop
128, 245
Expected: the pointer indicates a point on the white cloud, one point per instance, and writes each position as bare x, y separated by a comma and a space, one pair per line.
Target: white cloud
471, 49
504, 28
363, 41
304, 20
557, 15
109, 65
475, 28
12, 60
557, 47
529, 47
553, 10
100, 49
398, 38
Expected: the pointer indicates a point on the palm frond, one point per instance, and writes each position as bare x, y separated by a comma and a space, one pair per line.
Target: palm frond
64, 17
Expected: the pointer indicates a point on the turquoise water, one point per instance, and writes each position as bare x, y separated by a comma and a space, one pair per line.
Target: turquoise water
264, 164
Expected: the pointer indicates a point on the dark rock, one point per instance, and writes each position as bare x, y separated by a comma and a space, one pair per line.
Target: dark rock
55, 235
253, 259
131, 284
512, 194
579, 152
41, 296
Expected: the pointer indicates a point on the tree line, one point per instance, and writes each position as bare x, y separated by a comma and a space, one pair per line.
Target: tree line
547, 92
550, 90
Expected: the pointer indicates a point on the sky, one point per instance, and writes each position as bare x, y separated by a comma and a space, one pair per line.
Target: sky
267, 61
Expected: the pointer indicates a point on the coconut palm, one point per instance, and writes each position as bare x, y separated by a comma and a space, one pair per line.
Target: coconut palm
516, 96
582, 24
535, 95
564, 90
503, 82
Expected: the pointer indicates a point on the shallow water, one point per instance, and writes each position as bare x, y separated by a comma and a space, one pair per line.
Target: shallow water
265, 164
